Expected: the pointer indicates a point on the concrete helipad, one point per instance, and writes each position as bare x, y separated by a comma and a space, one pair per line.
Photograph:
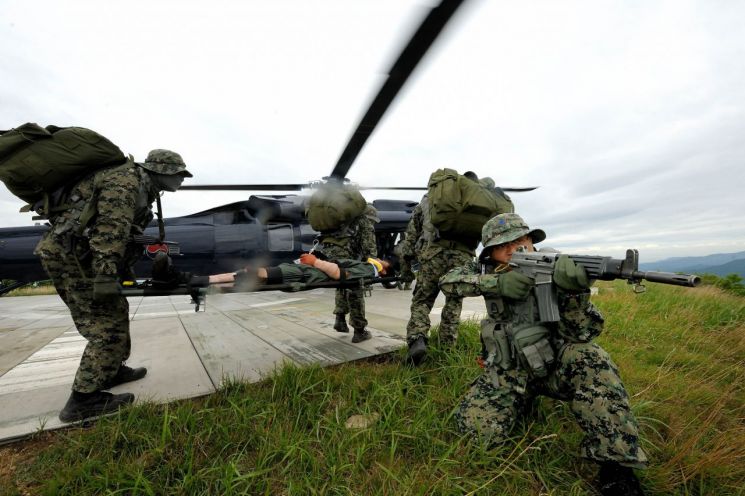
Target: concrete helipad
187, 354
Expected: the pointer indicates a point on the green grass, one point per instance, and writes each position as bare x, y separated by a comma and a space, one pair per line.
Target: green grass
36, 289
681, 354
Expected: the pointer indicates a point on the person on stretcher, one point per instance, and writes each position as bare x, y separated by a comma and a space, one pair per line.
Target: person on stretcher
311, 270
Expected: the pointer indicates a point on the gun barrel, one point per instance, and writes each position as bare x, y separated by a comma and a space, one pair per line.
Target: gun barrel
689, 280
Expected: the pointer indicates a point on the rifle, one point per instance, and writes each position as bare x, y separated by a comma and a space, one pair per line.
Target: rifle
540, 266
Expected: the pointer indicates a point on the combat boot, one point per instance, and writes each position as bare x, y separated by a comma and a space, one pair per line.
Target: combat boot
81, 406
361, 335
341, 323
617, 480
125, 374
417, 351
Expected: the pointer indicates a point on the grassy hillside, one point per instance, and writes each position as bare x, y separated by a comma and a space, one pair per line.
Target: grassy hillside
681, 353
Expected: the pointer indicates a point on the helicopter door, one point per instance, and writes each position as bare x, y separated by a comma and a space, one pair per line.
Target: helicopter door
280, 237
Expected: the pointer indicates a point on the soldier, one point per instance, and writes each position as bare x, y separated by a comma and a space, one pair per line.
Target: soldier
436, 257
525, 358
86, 252
356, 241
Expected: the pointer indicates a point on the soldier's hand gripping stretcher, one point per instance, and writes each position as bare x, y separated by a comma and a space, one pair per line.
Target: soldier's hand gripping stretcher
312, 272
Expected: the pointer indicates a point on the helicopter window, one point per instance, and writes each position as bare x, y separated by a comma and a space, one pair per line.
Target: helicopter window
280, 237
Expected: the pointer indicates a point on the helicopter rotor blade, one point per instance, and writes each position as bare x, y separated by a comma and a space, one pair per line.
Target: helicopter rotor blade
299, 187
244, 187
412, 188
423, 38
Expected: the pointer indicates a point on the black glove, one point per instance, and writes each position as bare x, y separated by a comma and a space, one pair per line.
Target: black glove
514, 285
570, 276
105, 288
166, 275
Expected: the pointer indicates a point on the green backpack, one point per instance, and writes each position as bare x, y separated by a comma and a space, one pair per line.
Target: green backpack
35, 161
331, 206
459, 207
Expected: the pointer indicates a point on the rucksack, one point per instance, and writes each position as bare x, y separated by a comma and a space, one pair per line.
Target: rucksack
459, 207
332, 206
35, 161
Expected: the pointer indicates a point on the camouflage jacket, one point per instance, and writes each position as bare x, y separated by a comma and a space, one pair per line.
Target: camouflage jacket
412, 234
580, 320
355, 240
117, 202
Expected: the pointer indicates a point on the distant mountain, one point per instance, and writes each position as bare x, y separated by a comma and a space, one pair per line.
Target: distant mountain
720, 264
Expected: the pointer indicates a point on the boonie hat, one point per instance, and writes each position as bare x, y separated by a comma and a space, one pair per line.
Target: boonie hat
166, 162
504, 228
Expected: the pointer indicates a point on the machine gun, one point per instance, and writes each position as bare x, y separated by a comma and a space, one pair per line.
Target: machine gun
540, 266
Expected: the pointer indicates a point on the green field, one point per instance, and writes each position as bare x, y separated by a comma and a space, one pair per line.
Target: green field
682, 357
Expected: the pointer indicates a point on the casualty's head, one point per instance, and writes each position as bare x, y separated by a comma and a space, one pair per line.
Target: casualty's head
504, 234
381, 265
167, 169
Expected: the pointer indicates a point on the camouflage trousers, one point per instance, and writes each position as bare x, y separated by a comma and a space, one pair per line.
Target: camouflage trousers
586, 377
347, 301
433, 265
105, 326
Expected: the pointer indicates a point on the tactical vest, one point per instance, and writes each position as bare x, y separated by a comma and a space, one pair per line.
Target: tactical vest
513, 336
80, 211
341, 237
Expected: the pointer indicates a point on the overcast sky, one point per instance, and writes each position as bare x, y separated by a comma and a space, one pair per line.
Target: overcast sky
629, 115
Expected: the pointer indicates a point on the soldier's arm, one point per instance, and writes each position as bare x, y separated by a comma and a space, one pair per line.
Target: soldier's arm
329, 268
110, 234
580, 319
412, 233
368, 243
466, 281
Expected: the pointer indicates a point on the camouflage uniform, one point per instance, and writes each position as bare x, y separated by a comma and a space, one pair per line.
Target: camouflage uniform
436, 257
116, 203
583, 373
410, 247
355, 241
288, 273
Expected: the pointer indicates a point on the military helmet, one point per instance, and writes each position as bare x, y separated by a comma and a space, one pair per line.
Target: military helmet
165, 162
504, 228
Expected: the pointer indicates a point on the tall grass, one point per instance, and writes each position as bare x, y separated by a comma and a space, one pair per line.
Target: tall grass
681, 354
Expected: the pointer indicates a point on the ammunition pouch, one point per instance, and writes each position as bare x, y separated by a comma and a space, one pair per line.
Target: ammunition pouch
497, 345
533, 349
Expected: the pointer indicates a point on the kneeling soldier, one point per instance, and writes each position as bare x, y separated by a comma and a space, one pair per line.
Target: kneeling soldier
526, 357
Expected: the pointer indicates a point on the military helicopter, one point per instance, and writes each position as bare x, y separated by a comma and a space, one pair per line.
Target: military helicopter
265, 229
